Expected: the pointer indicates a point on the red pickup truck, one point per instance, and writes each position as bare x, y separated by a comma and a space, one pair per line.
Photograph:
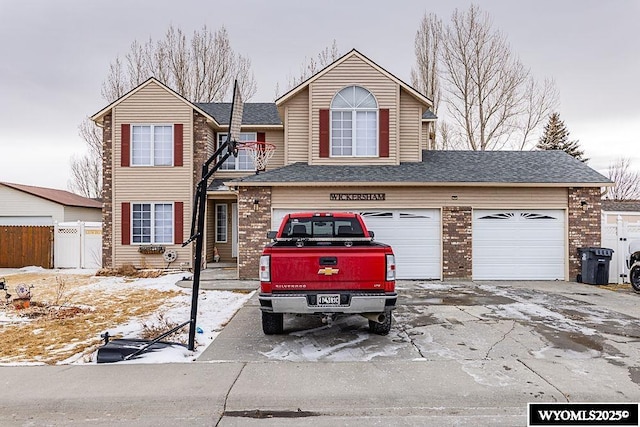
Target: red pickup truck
326, 264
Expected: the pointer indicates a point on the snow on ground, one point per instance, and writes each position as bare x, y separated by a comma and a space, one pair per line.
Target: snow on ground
215, 310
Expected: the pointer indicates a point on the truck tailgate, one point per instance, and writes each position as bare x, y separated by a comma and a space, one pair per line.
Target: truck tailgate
327, 268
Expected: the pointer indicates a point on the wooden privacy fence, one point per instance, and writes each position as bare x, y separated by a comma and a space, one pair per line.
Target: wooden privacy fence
21, 246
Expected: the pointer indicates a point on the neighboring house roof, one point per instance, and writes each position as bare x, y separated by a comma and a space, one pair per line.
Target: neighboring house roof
447, 168
339, 61
257, 113
97, 117
621, 205
428, 115
58, 196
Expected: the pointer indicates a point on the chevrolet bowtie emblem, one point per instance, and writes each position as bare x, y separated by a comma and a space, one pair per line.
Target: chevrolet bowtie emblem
328, 271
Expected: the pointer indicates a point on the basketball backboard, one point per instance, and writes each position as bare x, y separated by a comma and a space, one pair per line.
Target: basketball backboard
235, 120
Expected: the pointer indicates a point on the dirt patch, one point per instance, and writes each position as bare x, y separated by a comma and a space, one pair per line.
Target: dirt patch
67, 314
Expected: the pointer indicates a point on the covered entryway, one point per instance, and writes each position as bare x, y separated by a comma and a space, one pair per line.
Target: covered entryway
414, 235
519, 245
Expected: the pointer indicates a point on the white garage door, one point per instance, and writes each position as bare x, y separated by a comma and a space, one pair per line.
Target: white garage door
414, 235
518, 245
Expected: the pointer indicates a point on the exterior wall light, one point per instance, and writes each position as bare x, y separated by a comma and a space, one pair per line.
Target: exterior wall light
584, 205
256, 205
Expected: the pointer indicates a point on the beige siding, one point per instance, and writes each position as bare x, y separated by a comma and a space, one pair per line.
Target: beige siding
424, 140
211, 142
423, 197
152, 105
410, 129
15, 203
354, 71
296, 140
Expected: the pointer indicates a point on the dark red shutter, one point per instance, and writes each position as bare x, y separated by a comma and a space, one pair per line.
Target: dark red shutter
384, 132
178, 146
261, 137
125, 147
324, 133
126, 223
178, 227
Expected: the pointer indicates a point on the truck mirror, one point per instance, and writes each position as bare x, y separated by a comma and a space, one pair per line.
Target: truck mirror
371, 234
271, 234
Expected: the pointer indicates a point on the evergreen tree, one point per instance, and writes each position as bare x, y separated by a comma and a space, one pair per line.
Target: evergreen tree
556, 137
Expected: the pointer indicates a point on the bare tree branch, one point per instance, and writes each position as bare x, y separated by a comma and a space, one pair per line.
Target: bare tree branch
425, 75
86, 169
627, 181
310, 66
492, 100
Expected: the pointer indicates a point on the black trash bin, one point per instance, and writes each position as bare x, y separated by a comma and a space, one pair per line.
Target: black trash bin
595, 265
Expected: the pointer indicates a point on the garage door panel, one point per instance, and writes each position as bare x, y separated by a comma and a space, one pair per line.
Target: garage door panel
518, 245
414, 235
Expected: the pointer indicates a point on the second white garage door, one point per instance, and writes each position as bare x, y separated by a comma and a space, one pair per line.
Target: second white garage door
414, 235
518, 245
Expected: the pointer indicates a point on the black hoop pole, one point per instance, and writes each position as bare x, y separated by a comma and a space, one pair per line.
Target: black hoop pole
224, 151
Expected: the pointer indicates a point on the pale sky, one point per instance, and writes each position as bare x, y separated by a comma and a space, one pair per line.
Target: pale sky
54, 56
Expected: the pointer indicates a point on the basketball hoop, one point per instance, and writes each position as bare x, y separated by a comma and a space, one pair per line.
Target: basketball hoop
260, 153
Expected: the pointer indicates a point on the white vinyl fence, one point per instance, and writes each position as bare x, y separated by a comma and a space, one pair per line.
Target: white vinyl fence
617, 237
77, 245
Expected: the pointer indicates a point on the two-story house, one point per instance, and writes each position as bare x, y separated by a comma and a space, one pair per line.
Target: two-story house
353, 137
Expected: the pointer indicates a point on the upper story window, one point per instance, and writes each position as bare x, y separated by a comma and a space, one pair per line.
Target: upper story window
354, 123
243, 162
151, 145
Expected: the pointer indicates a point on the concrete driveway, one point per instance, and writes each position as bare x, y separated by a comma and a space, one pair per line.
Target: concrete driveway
459, 354
582, 340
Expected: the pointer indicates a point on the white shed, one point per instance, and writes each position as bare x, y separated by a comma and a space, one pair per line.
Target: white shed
29, 205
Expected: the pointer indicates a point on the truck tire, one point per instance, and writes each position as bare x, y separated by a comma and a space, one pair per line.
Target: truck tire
634, 277
381, 328
272, 323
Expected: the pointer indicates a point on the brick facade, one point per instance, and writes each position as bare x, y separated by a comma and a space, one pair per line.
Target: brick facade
456, 242
107, 192
585, 206
200, 155
254, 221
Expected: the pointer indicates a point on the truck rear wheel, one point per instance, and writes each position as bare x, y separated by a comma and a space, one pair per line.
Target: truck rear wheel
634, 277
381, 328
272, 323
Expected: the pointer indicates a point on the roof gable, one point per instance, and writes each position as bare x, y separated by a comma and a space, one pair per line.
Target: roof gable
97, 117
57, 196
353, 53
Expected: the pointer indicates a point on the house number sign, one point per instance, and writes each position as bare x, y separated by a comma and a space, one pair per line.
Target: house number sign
358, 197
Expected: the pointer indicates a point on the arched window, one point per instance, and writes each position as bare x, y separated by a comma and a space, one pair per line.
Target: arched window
354, 123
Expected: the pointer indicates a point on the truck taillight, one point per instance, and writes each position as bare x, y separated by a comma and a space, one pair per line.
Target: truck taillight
391, 267
265, 268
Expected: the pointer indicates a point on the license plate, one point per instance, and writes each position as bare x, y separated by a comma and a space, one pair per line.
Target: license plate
328, 299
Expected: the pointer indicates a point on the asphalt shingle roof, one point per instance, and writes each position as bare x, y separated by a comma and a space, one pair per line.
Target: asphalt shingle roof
58, 196
544, 167
428, 115
256, 113
621, 205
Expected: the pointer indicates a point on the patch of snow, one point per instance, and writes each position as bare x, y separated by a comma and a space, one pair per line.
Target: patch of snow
488, 377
